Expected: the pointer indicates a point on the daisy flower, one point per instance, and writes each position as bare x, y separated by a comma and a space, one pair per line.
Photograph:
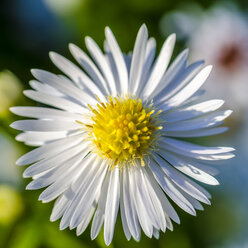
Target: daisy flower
220, 36
111, 140
228, 53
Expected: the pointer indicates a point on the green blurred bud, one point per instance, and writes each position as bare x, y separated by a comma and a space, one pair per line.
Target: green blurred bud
10, 91
11, 205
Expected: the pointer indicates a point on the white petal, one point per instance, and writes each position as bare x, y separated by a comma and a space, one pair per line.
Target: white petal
143, 192
180, 180
156, 202
64, 201
57, 102
129, 207
57, 172
99, 215
189, 169
122, 209
112, 205
64, 85
176, 68
45, 125
119, 60
208, 169
169, 223
193, 111
196, 133
59, 207
188, 147
88, 195
170, 190
144, 218
86, 177
101, 61
197, 205
189, 89
138, 59
178, 83
206, 153
71, 70
85, 222
167, 207
200, 188
49, 150
54, 161
211, 120
111, 63
128, 60
149, 57
64, 178
196, 96
155, 233
38, 138
45, 113
45, 88
160, 66
90, 68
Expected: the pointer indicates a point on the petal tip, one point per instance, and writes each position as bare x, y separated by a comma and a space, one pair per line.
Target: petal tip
172, 37
29, 186
13, 125
52, 219
107, 29
12, 109
209, 67
229, 112
87, 39
19, 162
25, 175
71, 46
35, 72
62, 226
52, 54
144, 28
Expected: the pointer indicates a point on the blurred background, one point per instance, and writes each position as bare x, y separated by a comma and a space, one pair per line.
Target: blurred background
214, 31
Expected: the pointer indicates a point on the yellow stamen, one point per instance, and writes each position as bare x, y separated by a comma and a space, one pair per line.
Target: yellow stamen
123, 130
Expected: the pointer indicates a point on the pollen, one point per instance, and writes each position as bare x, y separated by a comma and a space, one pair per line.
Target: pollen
123, 130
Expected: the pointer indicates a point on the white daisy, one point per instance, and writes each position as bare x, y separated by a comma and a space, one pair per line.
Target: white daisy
227, 51
112, 137
220, 36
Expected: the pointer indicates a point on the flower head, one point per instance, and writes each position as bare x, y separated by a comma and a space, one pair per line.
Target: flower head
112, 137
228, 55
123, 130
220, 36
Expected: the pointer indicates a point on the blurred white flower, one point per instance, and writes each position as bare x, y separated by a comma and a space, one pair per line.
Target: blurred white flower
220, 36
112, 138
222, 40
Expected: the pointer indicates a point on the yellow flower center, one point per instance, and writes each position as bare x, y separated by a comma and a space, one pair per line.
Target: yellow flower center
123, 129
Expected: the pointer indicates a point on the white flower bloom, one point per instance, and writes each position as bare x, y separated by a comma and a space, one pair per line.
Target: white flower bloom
220, 36
226, 47
112, 137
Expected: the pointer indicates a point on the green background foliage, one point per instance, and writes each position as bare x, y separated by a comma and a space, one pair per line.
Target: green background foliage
29, 30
